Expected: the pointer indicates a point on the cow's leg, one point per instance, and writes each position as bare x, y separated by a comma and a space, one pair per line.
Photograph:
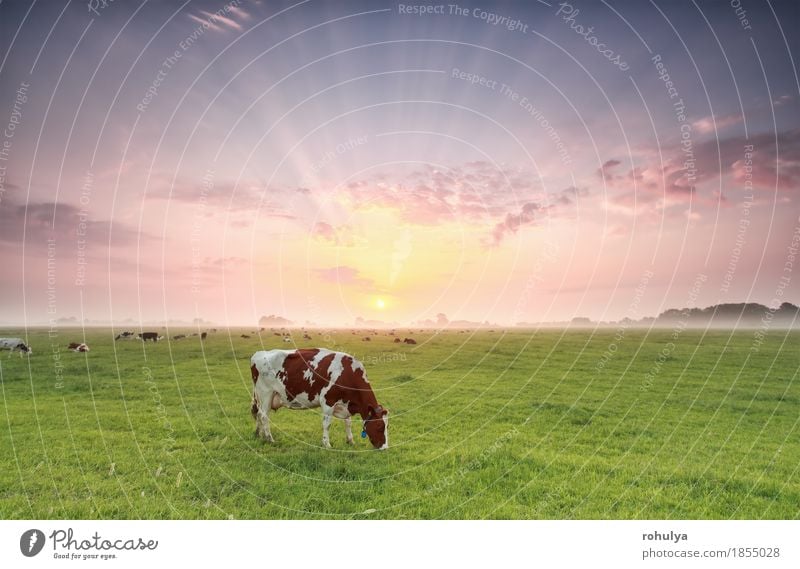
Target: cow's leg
327, 418
348, 429
262, 416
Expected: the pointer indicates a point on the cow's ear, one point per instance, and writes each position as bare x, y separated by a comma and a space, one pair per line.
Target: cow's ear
384, 412
370, 410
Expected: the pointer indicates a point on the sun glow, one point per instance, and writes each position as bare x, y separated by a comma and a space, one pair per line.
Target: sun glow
380, 304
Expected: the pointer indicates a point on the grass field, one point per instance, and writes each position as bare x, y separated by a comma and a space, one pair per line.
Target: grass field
514, 424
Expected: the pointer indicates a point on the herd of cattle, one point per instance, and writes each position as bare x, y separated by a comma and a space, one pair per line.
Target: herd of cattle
303, 378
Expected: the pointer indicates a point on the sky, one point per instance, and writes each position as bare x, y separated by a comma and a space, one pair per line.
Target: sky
504, 162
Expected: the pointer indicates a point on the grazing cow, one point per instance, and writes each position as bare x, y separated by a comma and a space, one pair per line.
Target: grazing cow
315, 377
306, 337
145, 336
179, 337
397, 340
275, 334
15, 345
410, 341
76, 347
245, 336
287, 339
366, 339
203, 336
127, 335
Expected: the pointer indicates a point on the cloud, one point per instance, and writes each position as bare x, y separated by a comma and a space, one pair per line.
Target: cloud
513, 221
220, 19
346, 276
212, 197
40, 221
653, 187
605, 172
715, 124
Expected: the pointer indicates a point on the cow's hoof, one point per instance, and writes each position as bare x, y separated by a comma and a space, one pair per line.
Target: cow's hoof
326, 444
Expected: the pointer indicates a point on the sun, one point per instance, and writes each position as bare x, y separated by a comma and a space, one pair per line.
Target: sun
380, 304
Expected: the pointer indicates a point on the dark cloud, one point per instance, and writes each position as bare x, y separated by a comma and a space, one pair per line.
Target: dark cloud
513, 221
40, 221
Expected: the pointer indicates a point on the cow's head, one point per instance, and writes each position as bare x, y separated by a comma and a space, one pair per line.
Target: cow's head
376, 427
24, 348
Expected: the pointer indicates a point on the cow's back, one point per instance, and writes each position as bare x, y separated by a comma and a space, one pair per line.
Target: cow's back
300, 378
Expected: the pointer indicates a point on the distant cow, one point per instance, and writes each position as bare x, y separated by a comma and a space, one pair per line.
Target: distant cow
397, 340
15, 345
410, 341
366, 339
309, 378
76, 347
204, 335
127, 335
245, 336
287, 340
145, 336
179, 337
306, 337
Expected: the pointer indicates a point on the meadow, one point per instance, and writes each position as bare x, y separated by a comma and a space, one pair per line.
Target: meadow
528, 424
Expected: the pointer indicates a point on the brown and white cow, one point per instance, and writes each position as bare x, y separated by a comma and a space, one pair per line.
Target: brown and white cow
315, 377
76, 347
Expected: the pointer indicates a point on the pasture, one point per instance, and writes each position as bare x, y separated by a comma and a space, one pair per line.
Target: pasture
503, 424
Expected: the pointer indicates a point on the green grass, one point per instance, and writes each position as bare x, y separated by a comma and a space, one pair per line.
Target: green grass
510, 424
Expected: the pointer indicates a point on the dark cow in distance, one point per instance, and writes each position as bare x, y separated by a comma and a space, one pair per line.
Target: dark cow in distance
410, 341
15, 345
245, 336
78, 347
153, 336
127, 335
203, 336
179, 336
315, 377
